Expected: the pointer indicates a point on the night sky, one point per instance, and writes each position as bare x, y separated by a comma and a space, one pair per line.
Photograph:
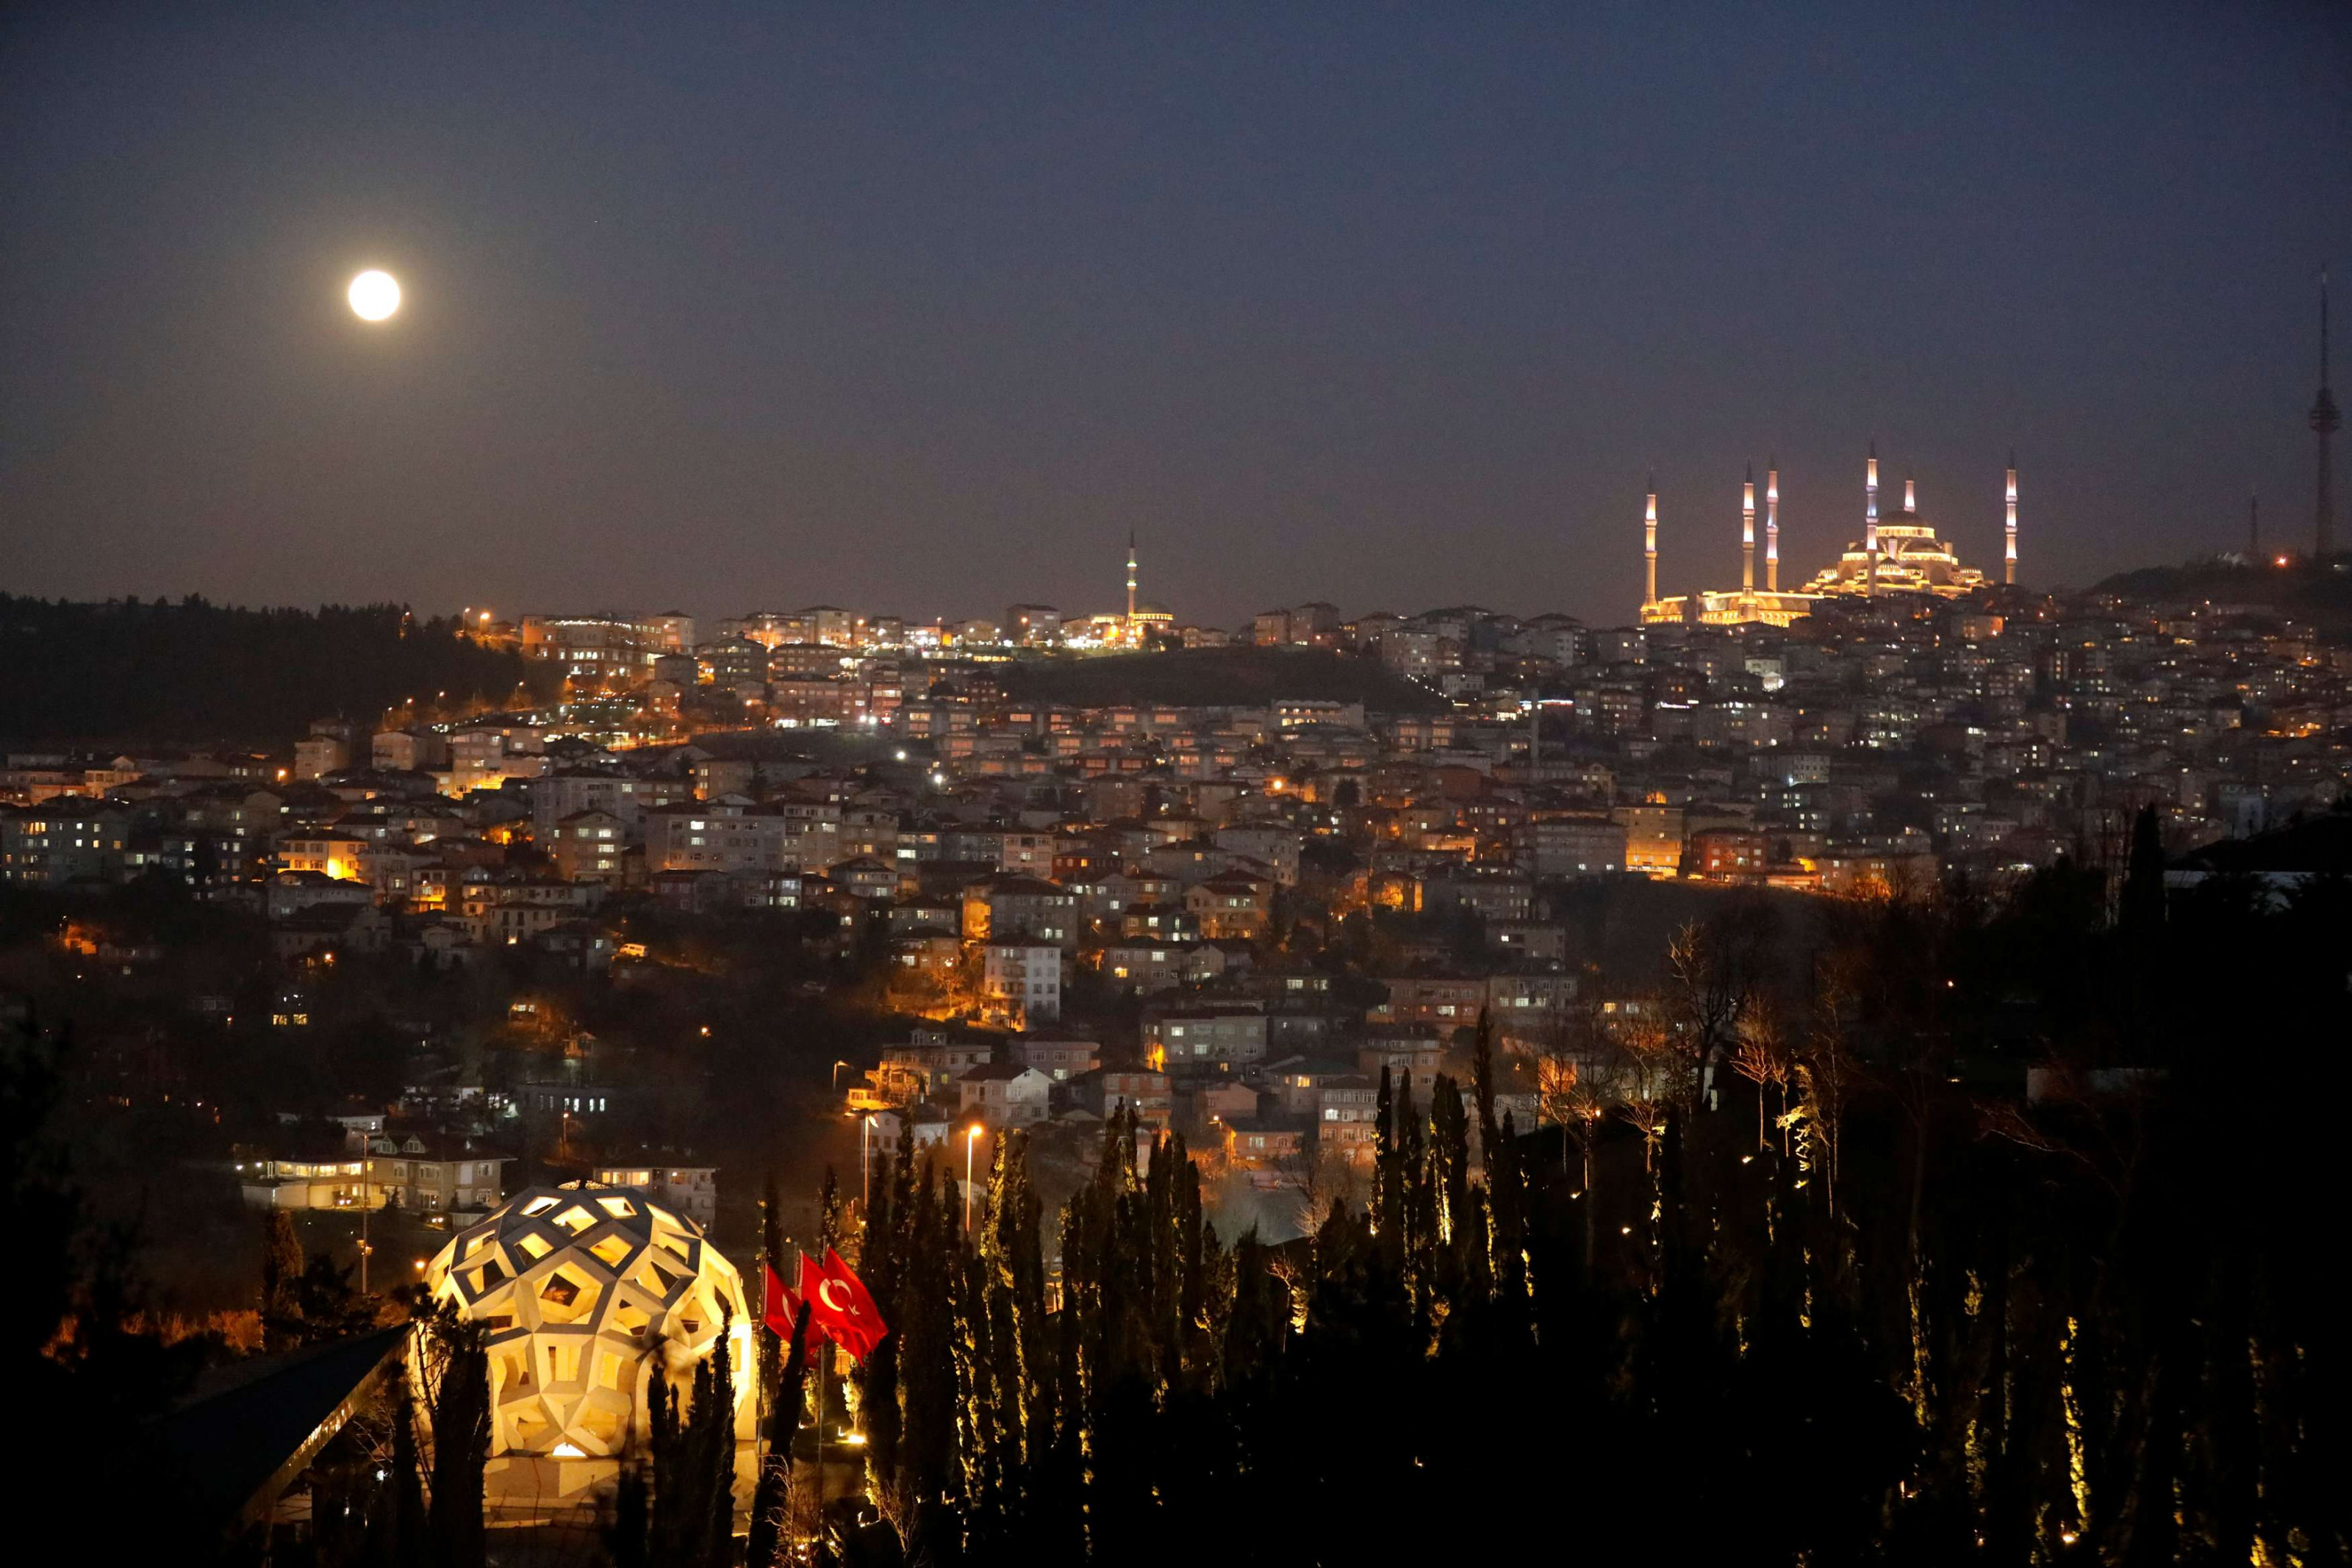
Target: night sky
918, 310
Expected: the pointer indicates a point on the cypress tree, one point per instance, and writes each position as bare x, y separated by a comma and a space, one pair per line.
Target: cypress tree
665, 1469
2141, 908
409, 1545
716, 1425
282, 1264
918, 1502
460, 1407
769, 1543
1388, 1193
626, 1538
883, 1251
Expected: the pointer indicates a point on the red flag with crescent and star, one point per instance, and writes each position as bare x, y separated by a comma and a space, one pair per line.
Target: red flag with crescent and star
841, 1306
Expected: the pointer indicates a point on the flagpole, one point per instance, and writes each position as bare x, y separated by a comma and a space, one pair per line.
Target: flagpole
767, 1267
825, 1362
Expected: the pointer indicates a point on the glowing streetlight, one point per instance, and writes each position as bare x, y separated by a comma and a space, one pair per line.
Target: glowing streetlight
866, 1163
970, 1142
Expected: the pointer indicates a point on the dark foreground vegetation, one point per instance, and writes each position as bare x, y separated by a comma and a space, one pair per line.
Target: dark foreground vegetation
1811, 1302
196, 673
1787, 1277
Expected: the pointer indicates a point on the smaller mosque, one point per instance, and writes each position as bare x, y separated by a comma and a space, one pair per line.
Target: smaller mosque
1901, 555
1136, 629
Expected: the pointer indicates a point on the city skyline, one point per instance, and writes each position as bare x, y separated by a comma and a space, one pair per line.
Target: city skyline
804, 315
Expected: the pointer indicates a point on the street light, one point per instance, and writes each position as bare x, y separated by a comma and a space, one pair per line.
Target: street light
836, 1073
970, 1142
866, 1163
366, 1191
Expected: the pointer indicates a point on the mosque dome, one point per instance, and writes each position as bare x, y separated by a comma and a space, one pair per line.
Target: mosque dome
1913, 558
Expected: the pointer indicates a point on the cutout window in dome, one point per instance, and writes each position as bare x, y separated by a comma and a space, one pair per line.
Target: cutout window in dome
537, 1245
539, 1206
575, 1219
618, 1208
559, 1291
612, 1251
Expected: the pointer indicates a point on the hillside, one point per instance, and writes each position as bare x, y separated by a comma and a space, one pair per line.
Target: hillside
1235, 677
195, 672
2322, 596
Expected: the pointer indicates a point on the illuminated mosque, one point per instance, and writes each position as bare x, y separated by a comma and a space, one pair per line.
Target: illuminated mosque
1136, 629
1899, 555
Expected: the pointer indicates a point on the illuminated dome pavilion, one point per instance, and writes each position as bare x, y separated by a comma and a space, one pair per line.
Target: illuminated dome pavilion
586, 1291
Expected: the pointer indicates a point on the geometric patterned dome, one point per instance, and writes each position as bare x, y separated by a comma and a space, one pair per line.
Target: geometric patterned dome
582, 1286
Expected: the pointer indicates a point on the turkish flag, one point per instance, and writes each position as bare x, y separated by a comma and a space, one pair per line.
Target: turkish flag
867, 1310
840, 1305
782, 1307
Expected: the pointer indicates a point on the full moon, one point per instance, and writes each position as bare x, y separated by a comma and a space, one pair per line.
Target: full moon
374, 295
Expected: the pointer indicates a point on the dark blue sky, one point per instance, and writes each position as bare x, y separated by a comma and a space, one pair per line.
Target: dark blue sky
918, 310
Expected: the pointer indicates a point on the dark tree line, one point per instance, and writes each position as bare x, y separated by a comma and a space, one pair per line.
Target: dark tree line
86, 1381
194, 671
1828, 1291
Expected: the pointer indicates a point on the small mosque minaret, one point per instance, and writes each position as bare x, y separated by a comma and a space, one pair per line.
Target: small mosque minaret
1772, 525
1747, 532
1649, 545
2009, 561
1870, 518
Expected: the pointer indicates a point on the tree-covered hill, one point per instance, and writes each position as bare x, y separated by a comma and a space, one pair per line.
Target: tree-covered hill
2302, 590
197, 673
